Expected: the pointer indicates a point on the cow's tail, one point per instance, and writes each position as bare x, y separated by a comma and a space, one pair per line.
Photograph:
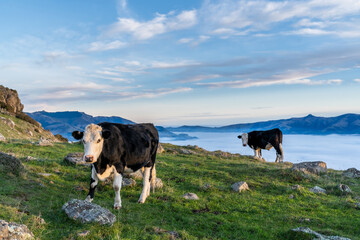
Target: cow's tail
153, 178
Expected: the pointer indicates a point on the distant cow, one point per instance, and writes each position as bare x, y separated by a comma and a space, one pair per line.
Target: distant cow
258, 140
111, 147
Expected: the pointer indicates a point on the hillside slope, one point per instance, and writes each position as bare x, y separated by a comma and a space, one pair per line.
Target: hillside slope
343, 124
268, 211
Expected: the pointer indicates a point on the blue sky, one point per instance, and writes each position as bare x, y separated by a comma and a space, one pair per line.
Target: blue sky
183, 62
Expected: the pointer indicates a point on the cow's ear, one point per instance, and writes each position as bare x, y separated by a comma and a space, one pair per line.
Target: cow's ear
239, 136
106, 134
77, 135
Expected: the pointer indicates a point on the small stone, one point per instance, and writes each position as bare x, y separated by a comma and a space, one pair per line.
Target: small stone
344, 188
2, 138
190, 196
160, 149
42, 185
87, 212
11, 230
301, 220
83, 234
30, 158
291, 196
206, 187
317, 189
45, 174
128, 182
51, 182
240, 186
351, 173
318, 235
296, 187
158, 184
186, 151
310, 167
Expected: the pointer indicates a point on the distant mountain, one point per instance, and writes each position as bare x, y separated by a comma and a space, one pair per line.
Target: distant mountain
65, 123
343, 124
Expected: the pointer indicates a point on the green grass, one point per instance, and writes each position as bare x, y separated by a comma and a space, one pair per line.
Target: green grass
264, 212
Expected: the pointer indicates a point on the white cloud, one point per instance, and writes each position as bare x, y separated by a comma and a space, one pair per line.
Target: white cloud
101, 46
357, 80
162, 23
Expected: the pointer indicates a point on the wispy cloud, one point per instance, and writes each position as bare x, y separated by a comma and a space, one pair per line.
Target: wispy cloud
104, 46
162, 23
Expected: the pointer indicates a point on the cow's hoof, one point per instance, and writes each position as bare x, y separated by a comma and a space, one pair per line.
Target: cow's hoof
141, 201
88, 199
116, 206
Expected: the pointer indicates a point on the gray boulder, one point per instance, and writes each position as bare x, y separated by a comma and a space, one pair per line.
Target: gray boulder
14, 231
87, 212
158, 184
75, 158
318, 235
310, 167
44, 142
317, 189
351, 173
240, 187
344, 188
190, 196
128, 182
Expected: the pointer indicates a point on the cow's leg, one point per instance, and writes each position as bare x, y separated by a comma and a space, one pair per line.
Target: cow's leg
259, 153
279, 153
146, 185
255, 153
117, 187
93, 183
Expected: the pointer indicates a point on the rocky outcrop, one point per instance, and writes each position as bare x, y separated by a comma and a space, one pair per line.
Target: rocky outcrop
240, 187
8, 122
318, 235
10, 231
351, 173
9, 100
310, 167
87, 212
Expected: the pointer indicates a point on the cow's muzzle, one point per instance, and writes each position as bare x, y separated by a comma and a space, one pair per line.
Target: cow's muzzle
89, 158
244, 145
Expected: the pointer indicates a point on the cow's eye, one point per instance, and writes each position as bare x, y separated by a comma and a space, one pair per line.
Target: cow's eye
98, 140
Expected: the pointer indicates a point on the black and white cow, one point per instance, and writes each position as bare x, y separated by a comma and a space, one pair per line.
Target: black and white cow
111, 147
258, 140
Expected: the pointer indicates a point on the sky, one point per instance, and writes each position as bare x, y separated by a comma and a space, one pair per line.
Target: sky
198, 62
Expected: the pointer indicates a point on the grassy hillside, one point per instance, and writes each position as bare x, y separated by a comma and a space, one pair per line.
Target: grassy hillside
22, 129
265, 212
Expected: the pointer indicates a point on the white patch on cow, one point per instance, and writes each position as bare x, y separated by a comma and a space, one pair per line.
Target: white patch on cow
146, 185
94, 176
93, 141
108, 171
117, 187
268, 146
244, 138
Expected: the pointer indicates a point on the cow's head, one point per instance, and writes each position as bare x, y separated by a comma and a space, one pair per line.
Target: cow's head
244, 138
93, 140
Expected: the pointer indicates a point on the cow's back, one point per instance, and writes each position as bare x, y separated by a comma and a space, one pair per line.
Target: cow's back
133, 144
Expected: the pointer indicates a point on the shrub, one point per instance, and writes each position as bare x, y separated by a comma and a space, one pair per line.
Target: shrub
27, 118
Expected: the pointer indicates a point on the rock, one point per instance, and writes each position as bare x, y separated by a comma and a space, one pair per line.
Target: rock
206, 187
44, 142
351, 173
301, 220
128, 182
14, 231
344, 188
172, 234
296, 187
30, 133
357, 205
318, 235
8, 122
134, 175
310, 167
83, 234
75, 158
87, 212
317, 189
160, 149
2, 138
240, 186
30, 158
11, 163
45, 174
291, 196
158, 184
9, 99
190, 196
